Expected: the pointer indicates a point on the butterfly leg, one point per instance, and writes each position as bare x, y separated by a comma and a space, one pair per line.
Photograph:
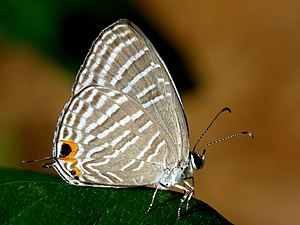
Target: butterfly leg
189, 185
191, 191
186, 196
152, 201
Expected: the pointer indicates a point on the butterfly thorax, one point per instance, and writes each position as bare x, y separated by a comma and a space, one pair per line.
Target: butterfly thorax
176, 175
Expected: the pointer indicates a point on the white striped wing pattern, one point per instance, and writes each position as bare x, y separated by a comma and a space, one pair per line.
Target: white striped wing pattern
124, 124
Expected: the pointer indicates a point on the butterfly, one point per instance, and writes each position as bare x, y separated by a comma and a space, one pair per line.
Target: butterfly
124, 125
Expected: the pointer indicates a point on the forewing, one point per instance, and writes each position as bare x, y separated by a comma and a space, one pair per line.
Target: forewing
122, 58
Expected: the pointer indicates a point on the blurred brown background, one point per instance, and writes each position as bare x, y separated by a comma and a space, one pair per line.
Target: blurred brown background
244, 55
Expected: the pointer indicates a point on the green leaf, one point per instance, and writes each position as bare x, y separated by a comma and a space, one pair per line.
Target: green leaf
34, 198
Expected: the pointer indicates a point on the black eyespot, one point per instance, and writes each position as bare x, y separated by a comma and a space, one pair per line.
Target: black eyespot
65, 150
76, 178
73, 172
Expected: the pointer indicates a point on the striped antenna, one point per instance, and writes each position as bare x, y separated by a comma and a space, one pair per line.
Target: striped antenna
211, 123
224, 139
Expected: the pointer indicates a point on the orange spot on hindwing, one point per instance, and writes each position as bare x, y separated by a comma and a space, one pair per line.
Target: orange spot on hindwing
68, 151
75, 172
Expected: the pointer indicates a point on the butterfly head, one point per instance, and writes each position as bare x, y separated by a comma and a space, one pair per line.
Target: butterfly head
197, 161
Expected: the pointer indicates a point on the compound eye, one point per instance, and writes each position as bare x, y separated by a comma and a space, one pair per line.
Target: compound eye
197, 160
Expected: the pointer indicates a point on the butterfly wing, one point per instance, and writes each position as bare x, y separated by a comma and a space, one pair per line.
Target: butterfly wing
113, 141
123, 60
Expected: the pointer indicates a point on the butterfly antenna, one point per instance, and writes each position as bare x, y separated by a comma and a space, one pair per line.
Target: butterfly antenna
223, 110
224, 139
